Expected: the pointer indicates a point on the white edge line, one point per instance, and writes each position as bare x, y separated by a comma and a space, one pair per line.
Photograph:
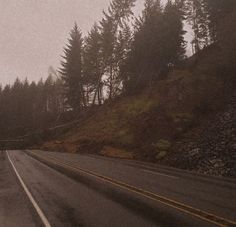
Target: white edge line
161, 174
37, 208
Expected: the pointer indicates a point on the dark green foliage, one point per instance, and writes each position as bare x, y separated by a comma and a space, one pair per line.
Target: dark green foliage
158, 42
197, 16
217, 10
28, 107
93, 66
173, 32
205, 18
113, 27
72, 70
227, 41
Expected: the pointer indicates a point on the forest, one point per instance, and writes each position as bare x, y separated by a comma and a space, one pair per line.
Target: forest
121, 56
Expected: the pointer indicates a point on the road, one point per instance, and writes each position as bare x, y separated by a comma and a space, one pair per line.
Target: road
40, 188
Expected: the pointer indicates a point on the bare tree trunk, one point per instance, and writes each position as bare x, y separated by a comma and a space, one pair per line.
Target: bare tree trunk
111, 81
87, 94
82, 95
94, 97
99, 95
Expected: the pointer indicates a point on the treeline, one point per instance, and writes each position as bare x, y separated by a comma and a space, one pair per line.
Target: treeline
207, 19
26, 107
121, 54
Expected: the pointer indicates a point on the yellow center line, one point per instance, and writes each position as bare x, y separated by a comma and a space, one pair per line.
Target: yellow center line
206, 216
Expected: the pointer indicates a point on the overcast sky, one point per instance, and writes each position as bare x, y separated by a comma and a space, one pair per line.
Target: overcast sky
34, 32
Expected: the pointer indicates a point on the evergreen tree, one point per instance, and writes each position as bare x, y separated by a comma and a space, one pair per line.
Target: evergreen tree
112, 23
122, 50
226, 37
143, 59
93, 65
158, 41
173, 34
217, 10
72, 70
197, 17
33, 106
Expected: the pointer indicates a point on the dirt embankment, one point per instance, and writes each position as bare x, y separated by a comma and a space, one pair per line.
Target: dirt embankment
186, 120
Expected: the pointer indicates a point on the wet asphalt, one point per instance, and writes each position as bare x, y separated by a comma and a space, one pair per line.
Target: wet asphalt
78, 199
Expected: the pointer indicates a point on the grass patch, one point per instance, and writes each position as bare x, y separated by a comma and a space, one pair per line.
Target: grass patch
139, 105
162, 145
161, 155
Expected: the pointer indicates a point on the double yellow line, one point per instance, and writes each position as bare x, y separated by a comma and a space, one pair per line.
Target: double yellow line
206, 216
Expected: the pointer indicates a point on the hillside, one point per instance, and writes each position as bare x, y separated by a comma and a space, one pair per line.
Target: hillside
186, 120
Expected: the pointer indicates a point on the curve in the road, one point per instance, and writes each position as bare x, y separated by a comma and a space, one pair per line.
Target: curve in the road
219, 221
32, 200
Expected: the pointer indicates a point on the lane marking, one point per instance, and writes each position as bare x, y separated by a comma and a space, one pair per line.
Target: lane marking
206, 216
37, 208
145, 168
161, 174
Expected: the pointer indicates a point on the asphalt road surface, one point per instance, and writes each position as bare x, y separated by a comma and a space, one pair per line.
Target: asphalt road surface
40, 188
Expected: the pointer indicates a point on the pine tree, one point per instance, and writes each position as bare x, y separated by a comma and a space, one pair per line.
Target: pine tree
72, 70
107, 47
158, 41
217, 10
122, 50
173, 34
113, 22
226, 39
93, 65
197, 17
143, 60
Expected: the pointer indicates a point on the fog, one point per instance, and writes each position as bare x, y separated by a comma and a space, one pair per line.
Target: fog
34, 32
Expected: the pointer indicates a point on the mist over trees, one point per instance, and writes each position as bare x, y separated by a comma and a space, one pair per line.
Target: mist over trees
120, 55
158, 41
25, 107
206, 19
72, 71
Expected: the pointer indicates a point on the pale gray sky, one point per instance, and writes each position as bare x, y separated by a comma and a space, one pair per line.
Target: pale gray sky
34, 32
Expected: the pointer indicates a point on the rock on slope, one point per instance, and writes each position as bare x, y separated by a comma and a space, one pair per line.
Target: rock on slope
211, 148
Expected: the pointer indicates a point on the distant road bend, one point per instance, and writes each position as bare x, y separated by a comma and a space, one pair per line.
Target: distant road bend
39, 188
